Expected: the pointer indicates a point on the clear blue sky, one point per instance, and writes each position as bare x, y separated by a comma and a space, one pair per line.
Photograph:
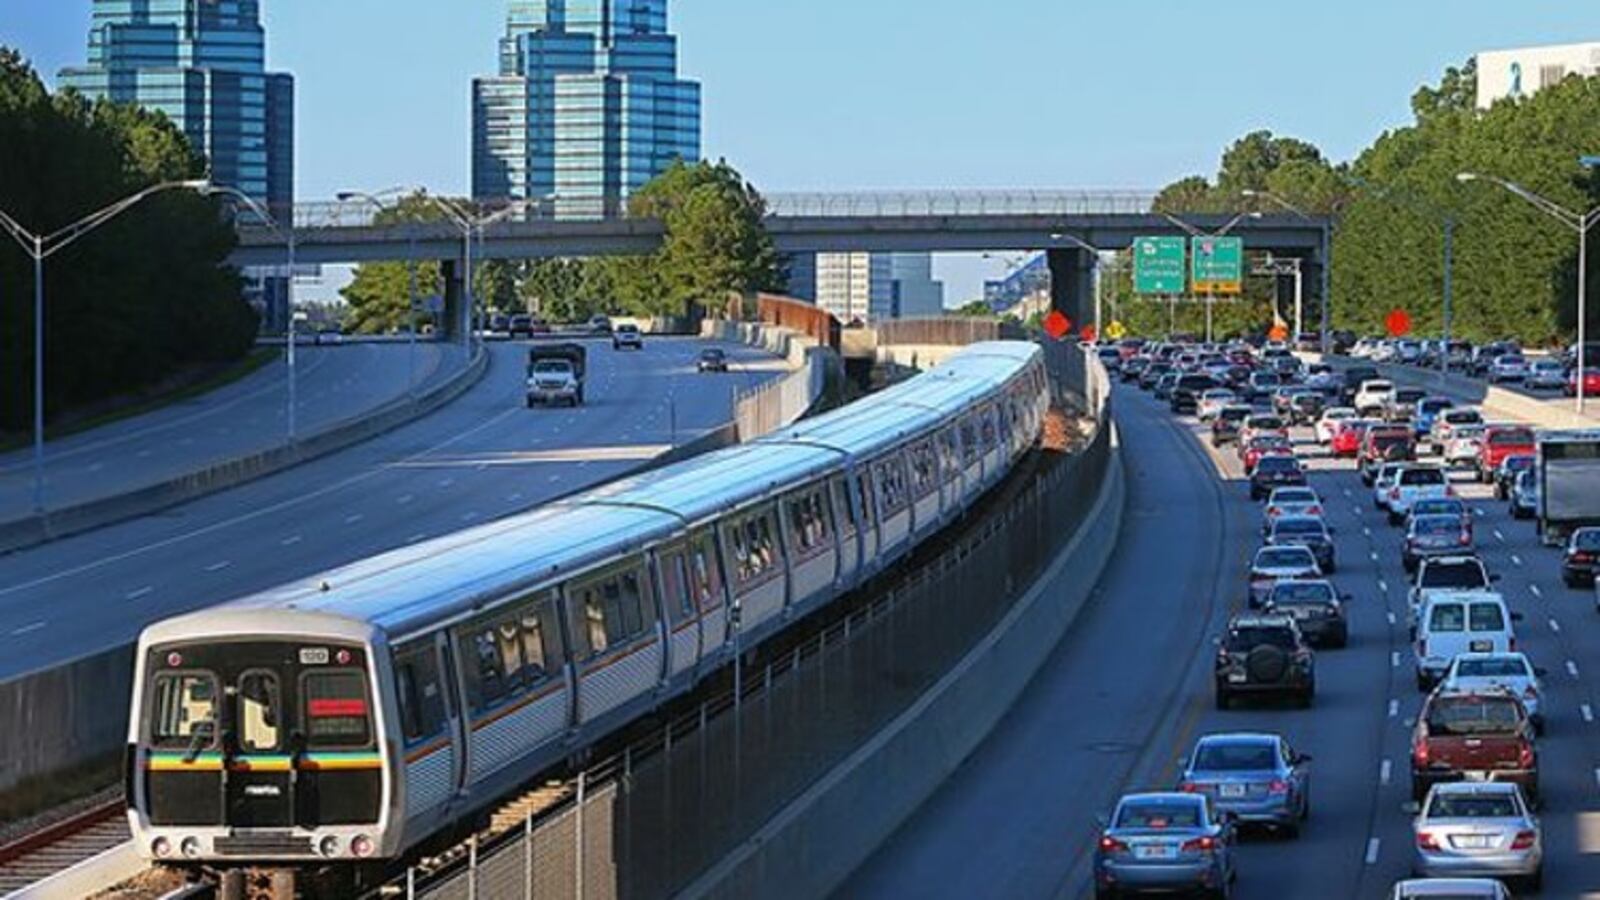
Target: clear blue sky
836, 94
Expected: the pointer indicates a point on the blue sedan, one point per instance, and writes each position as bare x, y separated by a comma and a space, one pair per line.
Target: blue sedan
1258, 778
1427, 409
1165, 842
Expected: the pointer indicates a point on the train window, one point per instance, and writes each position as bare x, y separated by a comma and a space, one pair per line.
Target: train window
336, 708
594, 619
969, 439
864, 500
924, 468
950, 453
258, 711
986, 433
539, 631
185, 709
808, 521
677, 599
493, 663
422, 711
614, 608
841, 505
755, 553
704, 573
891, 484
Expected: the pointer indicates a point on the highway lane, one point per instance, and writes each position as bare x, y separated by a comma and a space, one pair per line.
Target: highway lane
478, 458
247, 416
1020, 815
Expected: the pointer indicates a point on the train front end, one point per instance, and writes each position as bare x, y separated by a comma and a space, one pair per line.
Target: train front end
256, 743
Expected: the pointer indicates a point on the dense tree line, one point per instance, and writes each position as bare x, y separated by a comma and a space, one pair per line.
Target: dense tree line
715, 243
146, 295
1515, 267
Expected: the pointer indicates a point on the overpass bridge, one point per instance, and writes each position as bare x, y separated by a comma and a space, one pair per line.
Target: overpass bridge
1059, 222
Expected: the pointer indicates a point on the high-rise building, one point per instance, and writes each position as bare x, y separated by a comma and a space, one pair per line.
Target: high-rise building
914, 291
203, 64
855, 287
1525, 70
588, 106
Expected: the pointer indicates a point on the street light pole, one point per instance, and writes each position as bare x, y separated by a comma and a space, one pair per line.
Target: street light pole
1580, 222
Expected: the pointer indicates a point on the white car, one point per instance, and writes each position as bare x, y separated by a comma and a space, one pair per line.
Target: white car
1456, 622
1463, 446
1407, 351
1212, 400
1329, 422
1383, 481
1446, 574
1510, 671
1446, 422
1374, 396
1547, 374
1413, 483
1290, 501
1508, 367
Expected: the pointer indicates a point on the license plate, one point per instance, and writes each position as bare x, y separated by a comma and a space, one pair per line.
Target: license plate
1471, 841
1474, 775
1231, 790
1302, 614
1155, 851
1482, 646
1236, 677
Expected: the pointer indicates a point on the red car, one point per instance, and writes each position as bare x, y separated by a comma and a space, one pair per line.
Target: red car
1591, 383
1501, 441
1347, 440
1265, 445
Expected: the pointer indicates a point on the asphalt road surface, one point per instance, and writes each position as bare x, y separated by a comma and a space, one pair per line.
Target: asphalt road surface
1128, 691
247, 416
479, 458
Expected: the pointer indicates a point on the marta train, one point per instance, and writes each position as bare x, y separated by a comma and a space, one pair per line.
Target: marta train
344, 718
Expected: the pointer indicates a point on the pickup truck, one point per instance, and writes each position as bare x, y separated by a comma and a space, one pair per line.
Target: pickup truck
555, 374
1473, 736
1499, 442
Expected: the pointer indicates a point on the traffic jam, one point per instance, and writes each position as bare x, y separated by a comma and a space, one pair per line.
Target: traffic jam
1429, 554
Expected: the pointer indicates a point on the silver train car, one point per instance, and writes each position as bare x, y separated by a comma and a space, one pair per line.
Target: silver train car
346, 717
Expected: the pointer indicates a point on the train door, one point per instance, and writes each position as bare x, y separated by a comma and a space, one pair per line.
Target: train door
260, 777
455, 713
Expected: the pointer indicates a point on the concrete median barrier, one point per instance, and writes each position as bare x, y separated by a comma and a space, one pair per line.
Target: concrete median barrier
1494, 400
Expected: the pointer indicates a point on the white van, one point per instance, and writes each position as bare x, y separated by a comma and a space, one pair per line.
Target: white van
1461, 622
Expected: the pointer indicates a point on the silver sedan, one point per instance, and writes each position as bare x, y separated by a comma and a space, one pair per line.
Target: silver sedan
1478, 829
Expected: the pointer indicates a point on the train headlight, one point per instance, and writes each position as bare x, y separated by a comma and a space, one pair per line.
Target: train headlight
190, 847
161, 847
361, 846
328, 846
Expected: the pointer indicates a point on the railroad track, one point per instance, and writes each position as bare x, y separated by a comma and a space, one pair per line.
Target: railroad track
61, 845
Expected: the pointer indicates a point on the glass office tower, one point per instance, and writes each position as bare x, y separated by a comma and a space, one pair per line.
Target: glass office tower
203, 63
587, 107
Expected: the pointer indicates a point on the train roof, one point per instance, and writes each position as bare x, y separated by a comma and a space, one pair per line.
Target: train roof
717, 482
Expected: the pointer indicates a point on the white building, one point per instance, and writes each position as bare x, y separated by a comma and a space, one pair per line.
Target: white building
855, 286
1522, 71
914, 292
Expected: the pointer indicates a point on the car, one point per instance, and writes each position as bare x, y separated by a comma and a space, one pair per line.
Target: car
600, 324
1110, 357
1478, 829
1509, 671
1258, 777
1464, 447
1546, 374
1508, 367
1186, 391
1264, 654
1446, 421
1499, 442
1261, 384
1305, 531
1165, 842
1315, 606
1413, 483
1373, 397
712, 359
1263, 424
1434, 535
1305, 407
1165, 384
520, 324
1347, 440
1452, 622
1384, 443
1351, 380
1525, 495
1133, 368
1212, 401
1153, 373
1328, 422
1444, 506
1451, 574
1384, 478
627, 335
1473, 736
1271, 564
500, 323
1290, 501
1251, 453
1428, 408
1591, 383
1403, 405
1449, 889
1581, 558
327, 336
1274, 471
1227, 423
1505, 474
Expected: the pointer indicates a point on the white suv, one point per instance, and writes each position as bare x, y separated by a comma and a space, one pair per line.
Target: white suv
1374, 396
1445, 574
1415, 483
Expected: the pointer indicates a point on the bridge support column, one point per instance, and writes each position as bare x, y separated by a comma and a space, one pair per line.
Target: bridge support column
1072, 284
448, 325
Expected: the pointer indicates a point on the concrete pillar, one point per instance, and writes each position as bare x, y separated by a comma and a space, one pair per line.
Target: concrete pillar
448, 326
1072, 284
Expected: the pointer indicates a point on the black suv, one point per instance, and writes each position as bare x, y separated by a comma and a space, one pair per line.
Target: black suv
1225, 426
1264, 654
1275, 472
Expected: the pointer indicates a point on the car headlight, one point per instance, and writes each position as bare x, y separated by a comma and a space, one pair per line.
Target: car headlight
161, 847
361, 846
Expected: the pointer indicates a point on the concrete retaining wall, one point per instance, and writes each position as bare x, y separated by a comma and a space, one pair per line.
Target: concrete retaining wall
21, 533
780, 402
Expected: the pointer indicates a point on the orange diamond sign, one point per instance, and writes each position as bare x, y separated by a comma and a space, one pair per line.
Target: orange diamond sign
1057, 325
1398, 323
1089, 333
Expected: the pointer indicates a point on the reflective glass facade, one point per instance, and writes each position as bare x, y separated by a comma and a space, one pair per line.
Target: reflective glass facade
587, 106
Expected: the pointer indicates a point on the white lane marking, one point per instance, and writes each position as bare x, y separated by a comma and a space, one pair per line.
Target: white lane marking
290, 541
1385, 772
219, 566
353, 518
1374, 555
1383, 586
1347, 492
142, 454
1356, 510
1588, 712
31, 626
553, 479
1372, 851
512, 498
138, 592
1597, 776
1498, 536
97, 466
1516, 560
1394, 659
1555, 626
1391, 618
403, 499
1535, 589
1394, 708
1366, 531
446, 482
1572, 668
1477, 512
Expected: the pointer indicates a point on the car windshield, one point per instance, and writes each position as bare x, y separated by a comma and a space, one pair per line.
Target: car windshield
1472, 715
1432, 406
1377, 386
1383, 440
1264, 379
1234, 414
1472, 806
551, 367
1511, 436
711, 354
1297, 527
1275, 464
1229, 756
1218, 394
1491, 667
1285, 558
1462, 417
1302, 592
1242, 639
1294, 495
1266, 423
1586, 539
1467, 432
1159, 815
1435, 525
1418, 477
1468, 574
1439, 506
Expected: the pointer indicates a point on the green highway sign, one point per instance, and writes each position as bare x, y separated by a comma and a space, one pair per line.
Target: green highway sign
1158, 265
1218, 265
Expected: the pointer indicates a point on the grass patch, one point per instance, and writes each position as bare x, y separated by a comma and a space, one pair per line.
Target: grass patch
175, 390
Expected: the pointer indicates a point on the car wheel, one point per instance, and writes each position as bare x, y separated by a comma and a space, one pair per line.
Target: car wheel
530, 403
1395, 518
1419, 791
1291, 831
1499, 492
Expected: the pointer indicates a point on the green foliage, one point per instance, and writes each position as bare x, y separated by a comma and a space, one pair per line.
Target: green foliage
978, 309
145, 295
380, 294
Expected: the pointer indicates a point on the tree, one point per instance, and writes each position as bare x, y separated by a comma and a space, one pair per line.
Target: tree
1193, 194
380, 294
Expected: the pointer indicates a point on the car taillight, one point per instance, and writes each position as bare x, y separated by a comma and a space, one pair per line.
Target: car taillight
1109, 844
1419, 754
1465, 539
1278, 786
1580, 557
1272, 511
1426, 841
1314, 511
1525, 756
1189, 787
1523, 840
1200, 844
1394, 493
